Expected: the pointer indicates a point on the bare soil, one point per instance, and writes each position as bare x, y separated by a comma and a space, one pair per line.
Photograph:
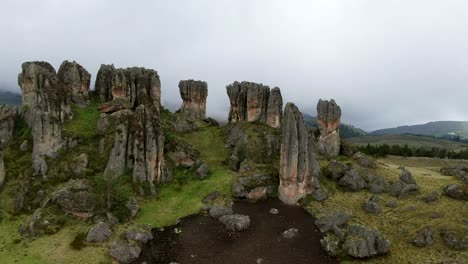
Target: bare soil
204, 240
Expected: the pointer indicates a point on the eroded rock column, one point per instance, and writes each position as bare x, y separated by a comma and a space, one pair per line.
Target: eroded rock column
299, 168
194, 94
77, 80
329, 115
8, 115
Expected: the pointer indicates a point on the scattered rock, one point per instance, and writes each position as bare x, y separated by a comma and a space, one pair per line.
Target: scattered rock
319, 195
75, 198
255, 187
352, 181
404, 186
235, 222
456, 191
326, 223
434, 196
454, 239
290, 233
211, 122
140, 233
362, 242
460, 171
336, 170
203, 171
407, 177
378, 185
99, 233
218, 211
274, 211
328, 117
332, 245
364, 160
124, 252
423, 237
372, 207
299, 168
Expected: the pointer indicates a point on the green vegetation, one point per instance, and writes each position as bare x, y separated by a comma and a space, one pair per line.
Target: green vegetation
401, 223
78, 242
84, 122
406, 151
411, 140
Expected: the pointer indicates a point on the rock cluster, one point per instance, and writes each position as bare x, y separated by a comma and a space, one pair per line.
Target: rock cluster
299, 168
194, 94
404, 186
77, 80
255, 186
328, 117
46, 106
253, 102
131, 102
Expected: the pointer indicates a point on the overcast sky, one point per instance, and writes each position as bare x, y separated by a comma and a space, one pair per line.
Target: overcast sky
385, 62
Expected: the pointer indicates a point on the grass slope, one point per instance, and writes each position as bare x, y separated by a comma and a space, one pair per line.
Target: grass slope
410, 140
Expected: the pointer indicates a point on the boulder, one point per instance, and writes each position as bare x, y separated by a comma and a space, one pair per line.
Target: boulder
194, 94
378, 185
81, 164
327, 223
218, 211
75, 198
352, 181
99, 233
290, 233
391, 204
8, 116
364, 160
371, 207
423, 237
235, 222
456, 191
139, 233
430, 198
40, 223
77, 80
335, 170
254, 102
124, 252
460, 171
256, 186
362, 242
46, 106
133, 206
328, 117
454, 239
332, 245
404, 186
182, 154
299, 168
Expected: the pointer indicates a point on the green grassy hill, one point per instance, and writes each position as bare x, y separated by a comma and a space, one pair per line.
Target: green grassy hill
410, 140
436, 129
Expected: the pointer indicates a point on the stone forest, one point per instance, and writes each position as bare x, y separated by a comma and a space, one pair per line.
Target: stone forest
110, 175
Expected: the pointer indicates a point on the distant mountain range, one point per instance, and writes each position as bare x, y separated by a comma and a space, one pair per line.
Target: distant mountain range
439, 129
346, 131
10, 98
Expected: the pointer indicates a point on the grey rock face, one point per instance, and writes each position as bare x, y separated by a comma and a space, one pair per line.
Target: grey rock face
99, 233
124, 252
336, 170
77, 80
218, 211
256, 186
75, 198
456, 191
235, 222
254, 102
46, 105
194, 94
329, 116
362, 242
352, 181
299, 168
327, 223
8, 116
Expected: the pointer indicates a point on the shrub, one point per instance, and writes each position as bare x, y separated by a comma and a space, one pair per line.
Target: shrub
79, 241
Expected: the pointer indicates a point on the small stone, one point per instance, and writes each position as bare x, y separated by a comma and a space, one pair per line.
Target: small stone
371, 207
24, 146
290, 233
274, 211
391, 204
235, 222
434, 196
211, 197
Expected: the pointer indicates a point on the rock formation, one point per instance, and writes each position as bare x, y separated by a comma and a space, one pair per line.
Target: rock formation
255, 102
125, 85
8, 115
328, 116
299, 168
46, 106
194, 95
138, 137
2, 170
77, 80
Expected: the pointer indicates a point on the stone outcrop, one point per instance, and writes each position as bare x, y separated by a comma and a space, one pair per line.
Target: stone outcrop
299, 168
77, 80
127, 85
8, 115
253, 102
46, 106
328, 116
194, 94
75, 198
2, 170
255, 186
138, 137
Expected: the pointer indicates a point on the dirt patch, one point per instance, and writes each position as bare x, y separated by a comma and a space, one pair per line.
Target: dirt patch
203, 239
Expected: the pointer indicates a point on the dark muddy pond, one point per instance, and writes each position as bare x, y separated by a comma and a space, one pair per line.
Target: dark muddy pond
204, 240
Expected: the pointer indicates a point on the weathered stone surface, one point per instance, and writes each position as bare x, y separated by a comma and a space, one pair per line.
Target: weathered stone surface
124, 252
99, 233
46, 105
8, 116
299, 168
75, 198
327, 223
254, 102
371, 207
202, 171
364, 160
81, 163
362, 242
217, 211
40, 223
2, 170
456, 191
329, 116
454, 239
194, 94
405, 185
182, 154
140, 233
77, 80
460, 171
430, 198
235, 222
256, 186
336, 170
331, 244
352, 181
423, 237
133, 206
290, 233
378, 185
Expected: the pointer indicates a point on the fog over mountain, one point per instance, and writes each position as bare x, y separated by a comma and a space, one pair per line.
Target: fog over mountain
386, 63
